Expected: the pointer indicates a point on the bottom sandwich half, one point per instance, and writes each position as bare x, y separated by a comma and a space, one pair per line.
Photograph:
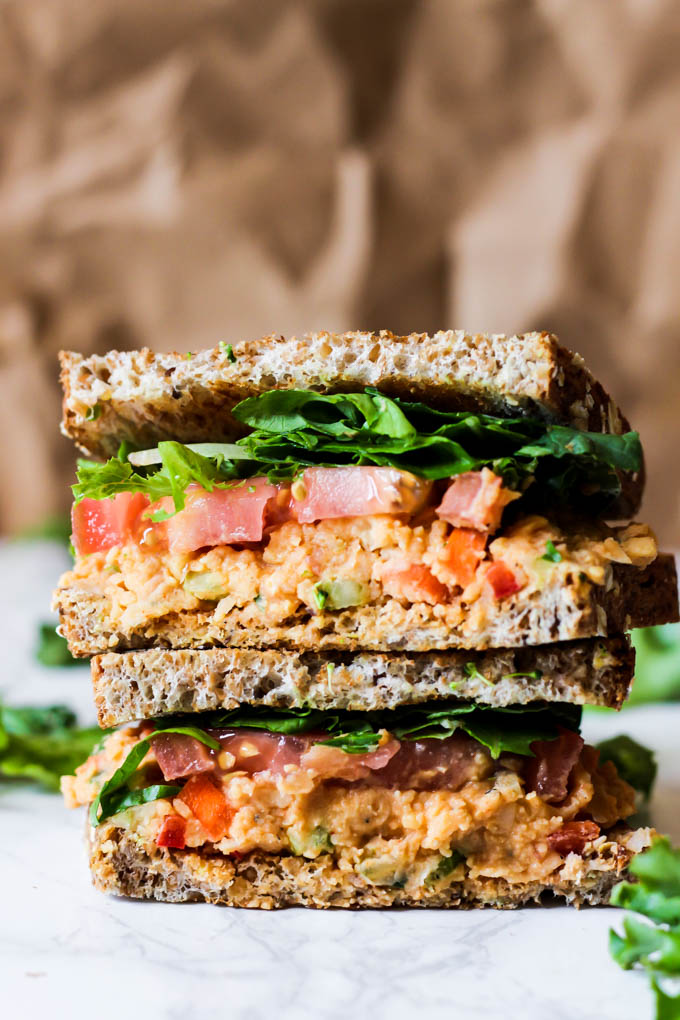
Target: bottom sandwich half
457, 805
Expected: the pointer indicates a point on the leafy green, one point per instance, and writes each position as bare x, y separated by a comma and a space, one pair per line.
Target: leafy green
634, 762
652, 941
533, 674
295, 429
180, 468
657, 664
511, 729
52, 649
42, 743
118, 793
667, 1006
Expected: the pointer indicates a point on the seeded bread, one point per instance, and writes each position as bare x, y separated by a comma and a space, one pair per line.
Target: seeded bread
143, 397
143, 685
124, 867
636, 597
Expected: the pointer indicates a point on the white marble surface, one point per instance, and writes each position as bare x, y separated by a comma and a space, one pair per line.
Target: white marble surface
66, 951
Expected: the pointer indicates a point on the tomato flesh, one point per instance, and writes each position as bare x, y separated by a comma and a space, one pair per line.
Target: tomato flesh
99, 524
326, 493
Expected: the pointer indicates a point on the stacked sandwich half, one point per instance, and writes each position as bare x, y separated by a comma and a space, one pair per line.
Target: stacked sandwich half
346, 596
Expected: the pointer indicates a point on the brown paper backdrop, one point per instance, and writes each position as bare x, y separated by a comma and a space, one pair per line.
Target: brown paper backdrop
175, 174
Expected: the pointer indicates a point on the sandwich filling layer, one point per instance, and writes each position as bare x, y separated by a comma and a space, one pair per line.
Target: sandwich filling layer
340, 502
439, 796
465, 580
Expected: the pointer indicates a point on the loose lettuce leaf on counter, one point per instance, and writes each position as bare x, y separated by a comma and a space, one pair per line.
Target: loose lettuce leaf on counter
52, 649
296, 429
42, 744
651, 941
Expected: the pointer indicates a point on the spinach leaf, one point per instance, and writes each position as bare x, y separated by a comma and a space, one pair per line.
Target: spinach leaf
511, 729
296, 429
117, 789
52, 649
42, 743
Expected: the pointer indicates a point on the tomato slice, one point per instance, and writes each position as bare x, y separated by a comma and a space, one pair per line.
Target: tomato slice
464, 550
99, 524
208, 804
475, 499
325, 493
221, 517
181, 755
548, 771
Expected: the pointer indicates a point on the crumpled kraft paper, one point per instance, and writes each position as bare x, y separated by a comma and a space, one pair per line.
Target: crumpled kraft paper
176, 174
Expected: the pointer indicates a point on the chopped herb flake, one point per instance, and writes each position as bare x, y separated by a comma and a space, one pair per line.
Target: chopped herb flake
472, 673
551, 554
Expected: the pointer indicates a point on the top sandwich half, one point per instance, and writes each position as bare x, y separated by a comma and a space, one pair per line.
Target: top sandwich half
354, 491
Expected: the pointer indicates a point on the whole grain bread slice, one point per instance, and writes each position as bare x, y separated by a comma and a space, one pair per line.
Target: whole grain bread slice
121, 865
632, 597
144, 397
159, 681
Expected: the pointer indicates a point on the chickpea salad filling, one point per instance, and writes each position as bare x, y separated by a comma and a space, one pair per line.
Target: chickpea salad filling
408, 797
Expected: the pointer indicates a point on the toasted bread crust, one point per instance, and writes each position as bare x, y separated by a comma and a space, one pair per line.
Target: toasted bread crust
637, 597
146, 684
124, 867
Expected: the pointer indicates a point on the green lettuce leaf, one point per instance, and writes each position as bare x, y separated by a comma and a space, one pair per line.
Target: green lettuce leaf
181, 467
296, 429
43, 744
116, 791
52, 649
651, 936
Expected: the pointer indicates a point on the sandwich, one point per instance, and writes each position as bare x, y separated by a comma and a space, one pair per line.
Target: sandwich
345, 597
